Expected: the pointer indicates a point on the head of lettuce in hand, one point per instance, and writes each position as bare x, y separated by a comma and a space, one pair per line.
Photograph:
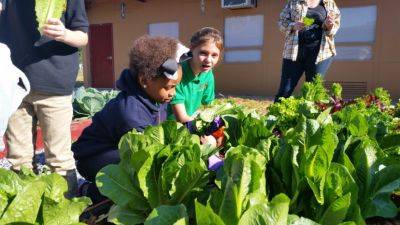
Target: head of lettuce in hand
48, 14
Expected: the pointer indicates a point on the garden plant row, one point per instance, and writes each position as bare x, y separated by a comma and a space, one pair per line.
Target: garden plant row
312, 159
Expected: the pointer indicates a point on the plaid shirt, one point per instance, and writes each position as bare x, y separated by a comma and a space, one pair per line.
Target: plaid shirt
296, 10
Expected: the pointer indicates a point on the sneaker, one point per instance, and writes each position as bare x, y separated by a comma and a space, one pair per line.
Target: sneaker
83, 186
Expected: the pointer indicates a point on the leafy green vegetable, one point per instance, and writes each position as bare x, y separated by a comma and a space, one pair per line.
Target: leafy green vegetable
315, 156
89, 101
209, 113
31, 199
120, 216
383, 95
337, 211
47, 9
168, 215
206, 216
286, 112
117, 182
337, 90
161, 167
315, 91
308, 21
24, 208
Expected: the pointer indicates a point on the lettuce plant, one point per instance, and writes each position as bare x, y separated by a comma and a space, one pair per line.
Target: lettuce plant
326, 166
30, 199
162, 166
239, 199
46, 9
89, 101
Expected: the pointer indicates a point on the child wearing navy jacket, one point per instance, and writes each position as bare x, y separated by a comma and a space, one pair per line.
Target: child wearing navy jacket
154, 71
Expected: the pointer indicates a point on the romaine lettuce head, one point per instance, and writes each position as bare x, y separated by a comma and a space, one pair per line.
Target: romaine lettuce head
46, 9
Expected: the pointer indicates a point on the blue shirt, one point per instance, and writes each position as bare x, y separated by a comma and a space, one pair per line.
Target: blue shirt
50, 66
132, 108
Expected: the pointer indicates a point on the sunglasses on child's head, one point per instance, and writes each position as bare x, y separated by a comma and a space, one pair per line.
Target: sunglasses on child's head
170, 67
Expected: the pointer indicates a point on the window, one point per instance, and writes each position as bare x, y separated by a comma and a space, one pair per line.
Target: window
244, 38
359, 53
357, 33
164, 29
243, 56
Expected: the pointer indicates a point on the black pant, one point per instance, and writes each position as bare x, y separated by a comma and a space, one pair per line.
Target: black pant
293, 70
89, 167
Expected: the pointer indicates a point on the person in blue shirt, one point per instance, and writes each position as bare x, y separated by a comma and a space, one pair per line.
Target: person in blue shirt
50, 60
154, 71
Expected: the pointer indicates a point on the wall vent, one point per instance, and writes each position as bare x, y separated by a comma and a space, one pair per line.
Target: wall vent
350, 89
238, 4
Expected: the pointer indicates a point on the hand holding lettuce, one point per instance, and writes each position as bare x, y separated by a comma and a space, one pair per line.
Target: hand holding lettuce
48, 9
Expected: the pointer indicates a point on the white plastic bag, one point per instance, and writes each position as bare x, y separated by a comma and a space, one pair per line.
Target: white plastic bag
14, 86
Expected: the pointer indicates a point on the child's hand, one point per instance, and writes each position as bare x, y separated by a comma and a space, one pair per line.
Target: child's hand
191, 126
219, 136
220, 141
210, 140
55, 29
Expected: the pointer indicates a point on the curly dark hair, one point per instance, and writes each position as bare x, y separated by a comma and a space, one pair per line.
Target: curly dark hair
205, 35
148, 53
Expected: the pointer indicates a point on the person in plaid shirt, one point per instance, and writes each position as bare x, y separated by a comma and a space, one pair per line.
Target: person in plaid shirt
309, 27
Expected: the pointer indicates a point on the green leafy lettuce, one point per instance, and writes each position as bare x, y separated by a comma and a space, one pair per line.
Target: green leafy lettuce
89, 101
46, 9
29, 199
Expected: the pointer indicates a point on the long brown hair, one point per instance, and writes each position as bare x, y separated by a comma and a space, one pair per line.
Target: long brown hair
205, 35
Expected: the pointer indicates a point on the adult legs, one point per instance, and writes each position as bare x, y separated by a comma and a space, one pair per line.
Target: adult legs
291, 73
312, 69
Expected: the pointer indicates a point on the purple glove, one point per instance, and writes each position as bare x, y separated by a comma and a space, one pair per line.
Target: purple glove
191, 126
214, 125
215, 162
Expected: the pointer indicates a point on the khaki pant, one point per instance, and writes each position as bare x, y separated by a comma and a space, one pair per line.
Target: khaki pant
54, 114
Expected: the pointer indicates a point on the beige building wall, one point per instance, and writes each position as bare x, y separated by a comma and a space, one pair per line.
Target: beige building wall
259, 78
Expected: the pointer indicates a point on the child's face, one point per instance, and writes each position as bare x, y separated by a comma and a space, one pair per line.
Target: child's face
205, 57
162, 89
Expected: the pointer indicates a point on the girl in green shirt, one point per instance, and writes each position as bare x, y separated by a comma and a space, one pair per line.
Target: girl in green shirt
197, 85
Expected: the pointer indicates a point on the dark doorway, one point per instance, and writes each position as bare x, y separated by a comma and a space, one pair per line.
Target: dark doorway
101, 55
